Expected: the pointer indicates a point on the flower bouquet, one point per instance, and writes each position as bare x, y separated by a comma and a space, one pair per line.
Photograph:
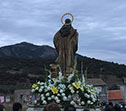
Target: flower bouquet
62, 90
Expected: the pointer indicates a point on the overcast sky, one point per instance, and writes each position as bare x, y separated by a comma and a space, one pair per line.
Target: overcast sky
101, 24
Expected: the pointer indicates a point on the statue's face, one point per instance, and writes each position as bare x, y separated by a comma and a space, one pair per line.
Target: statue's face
67, 21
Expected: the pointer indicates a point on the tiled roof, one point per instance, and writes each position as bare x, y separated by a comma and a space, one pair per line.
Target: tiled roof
95, 81
114, 95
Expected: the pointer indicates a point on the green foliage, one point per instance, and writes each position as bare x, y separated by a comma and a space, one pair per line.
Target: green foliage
18, 71
98, 67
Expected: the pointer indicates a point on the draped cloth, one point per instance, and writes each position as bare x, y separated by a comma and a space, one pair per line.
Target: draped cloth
66, 45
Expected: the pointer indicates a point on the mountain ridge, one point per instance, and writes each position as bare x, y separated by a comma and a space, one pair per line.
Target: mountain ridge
27, 50
34, 49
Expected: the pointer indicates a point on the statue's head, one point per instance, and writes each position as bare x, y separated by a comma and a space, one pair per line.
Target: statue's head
67, 21
65, 30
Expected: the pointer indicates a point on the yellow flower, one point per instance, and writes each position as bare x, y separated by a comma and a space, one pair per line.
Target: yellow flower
82, 89
37, 88
34, 86
54, 90
70, 87
77, 85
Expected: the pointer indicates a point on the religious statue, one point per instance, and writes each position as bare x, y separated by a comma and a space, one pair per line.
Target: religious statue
66, 44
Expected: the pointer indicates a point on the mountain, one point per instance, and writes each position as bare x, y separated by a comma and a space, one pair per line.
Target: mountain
28, 50
24, 63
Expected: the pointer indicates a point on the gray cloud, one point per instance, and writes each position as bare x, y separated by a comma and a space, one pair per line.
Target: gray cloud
101, 24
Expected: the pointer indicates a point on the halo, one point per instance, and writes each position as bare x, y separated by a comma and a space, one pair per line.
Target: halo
65, 15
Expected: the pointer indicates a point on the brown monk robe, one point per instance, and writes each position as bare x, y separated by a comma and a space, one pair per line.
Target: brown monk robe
66, 44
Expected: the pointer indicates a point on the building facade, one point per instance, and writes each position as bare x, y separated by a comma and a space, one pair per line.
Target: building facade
101, 87
22, 96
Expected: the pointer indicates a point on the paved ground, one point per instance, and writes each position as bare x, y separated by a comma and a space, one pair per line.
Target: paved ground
25, 108
8, 107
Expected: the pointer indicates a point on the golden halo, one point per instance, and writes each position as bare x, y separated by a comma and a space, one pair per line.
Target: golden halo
65, 15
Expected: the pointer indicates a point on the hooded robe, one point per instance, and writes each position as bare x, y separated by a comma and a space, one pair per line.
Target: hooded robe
66, 44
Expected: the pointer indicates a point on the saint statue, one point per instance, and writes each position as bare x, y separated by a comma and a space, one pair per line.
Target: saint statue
66, 44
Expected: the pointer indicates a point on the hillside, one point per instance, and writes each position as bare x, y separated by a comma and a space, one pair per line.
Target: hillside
28, 51
24, 63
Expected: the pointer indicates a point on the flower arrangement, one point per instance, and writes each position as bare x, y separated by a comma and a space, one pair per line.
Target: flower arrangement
62, 90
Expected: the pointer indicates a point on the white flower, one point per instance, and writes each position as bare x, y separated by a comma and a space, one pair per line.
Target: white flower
35, 101
33, 90
79, 82
49, 98
69, 96
44, 102
49, 81
64, 98
58, 101
89, 102
58, 94
42, 83
72, 91
63, 94
42, 95
92, 96
42, 98
88, 86
49, 76
61, 91
93, 99
60, 76
48, 88
83, 79
82, 102
55, 80
47, 94
45, 89
56, 98
86, 95
52, 96
70, 77
77, 92
92, 90
72, 103
40, 90
73, 83
41, 87
51, 85
62, 86
69, 85
38, 82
